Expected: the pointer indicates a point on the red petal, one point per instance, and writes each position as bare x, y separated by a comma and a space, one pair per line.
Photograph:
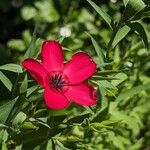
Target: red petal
52, 56
36, 70
80, 68
55, 100
82, 94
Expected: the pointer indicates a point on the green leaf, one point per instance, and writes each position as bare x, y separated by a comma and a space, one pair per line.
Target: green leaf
142, 14
98, 49
31, 51
28, 126
6, 109
121, 77
42, 121
61, 145
104, 124
79, 118
102, 107
106, 84
4, 146
19, 147
17, 44
132, 122
3, 136
31, 90
48, 16
131, 92
102, 13
132, 8
28, 12
60, 40
49, 145
108, 72
97, 77
12, 67
137, 27
125, 2
19, 119
85, 16
24, 84
6, 81
121, 33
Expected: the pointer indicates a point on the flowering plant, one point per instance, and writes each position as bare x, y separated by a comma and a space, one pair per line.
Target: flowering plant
94, 99
63, 82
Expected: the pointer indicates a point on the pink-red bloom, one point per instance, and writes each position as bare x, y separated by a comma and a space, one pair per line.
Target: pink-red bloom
63, 82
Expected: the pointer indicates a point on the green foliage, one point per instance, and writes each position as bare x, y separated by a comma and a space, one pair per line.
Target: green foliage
121, 34
120, 120
12, 67
136, 26
6, 110
132, 8
5, 81
103, 14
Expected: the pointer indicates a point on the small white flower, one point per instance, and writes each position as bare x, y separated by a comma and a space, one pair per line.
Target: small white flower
129, 64
65, 32
113, 1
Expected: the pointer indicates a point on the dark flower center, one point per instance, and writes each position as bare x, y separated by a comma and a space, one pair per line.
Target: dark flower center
57, 81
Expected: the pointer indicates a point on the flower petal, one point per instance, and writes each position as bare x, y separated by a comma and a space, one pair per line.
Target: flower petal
36, 70
55, 100
80, 68
52, 56
83, 94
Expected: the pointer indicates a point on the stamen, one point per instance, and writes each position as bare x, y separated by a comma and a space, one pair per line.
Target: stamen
56, 81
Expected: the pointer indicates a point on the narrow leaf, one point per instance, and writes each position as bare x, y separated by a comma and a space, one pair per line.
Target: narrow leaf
31, 50
19, 119
101, 12
125, 2
12, 67
137, 27
102, 107
24, 85
132, 8
31, 90
61, 145
131, 92
121, 33
6, 81
6, 109
98, 49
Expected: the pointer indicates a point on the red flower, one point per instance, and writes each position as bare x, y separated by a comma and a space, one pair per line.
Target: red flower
63, 82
